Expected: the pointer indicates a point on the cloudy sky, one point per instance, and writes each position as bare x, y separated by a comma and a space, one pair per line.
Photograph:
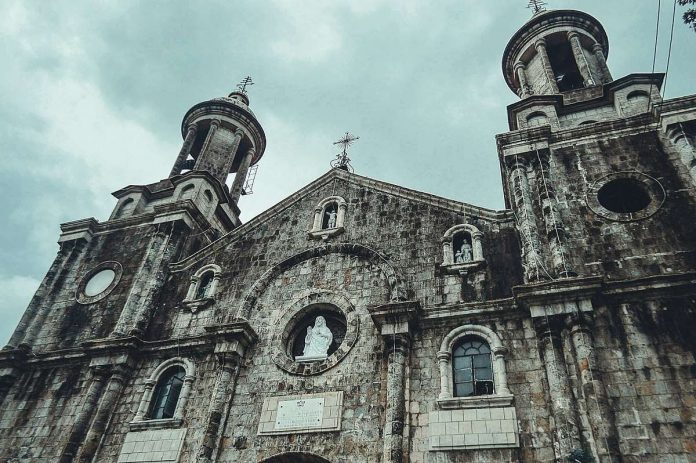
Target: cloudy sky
92, 94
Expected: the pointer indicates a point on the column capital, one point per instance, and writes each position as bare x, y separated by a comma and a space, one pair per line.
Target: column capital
540, 43
519, 65
192, 127
597, 48
215, 123
572, 34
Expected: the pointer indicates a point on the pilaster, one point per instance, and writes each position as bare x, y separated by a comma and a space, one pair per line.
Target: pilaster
394, 322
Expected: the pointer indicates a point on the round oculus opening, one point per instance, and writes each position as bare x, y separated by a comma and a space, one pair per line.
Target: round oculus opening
624, 196
335, 322
99, 282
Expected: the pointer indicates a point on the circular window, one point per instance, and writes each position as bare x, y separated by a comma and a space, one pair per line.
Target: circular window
315, 333
99, 282
626, 196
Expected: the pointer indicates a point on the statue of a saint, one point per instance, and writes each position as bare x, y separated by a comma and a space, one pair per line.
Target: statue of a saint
317, 341
331, 223
464, 254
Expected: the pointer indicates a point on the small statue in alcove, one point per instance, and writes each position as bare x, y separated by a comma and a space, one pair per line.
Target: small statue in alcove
464, 254
317, 341
331, 223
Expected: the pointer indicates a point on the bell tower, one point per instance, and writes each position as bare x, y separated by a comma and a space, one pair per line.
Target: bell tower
221, 137
555, 52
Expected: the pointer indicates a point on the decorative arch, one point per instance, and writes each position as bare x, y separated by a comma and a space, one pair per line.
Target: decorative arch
295, 457
537, 118
189, 368
196, 280
397, 288
444, 357
126, 208
318, 229
448, 238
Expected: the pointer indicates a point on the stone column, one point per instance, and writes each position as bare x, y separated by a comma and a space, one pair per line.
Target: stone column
593, 391
555, 231
397, 347
601, 59
185, 150
238, 183
540, 46
107, 404
580, 59
519, 69
42, 302
563, 420
85, 414
214, 124
222, 395
526, 222
150, 276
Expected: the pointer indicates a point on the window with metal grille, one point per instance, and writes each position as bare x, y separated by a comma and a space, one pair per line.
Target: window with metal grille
472, 368
166, 394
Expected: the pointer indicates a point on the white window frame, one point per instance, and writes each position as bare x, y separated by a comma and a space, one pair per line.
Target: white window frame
141, 421
501, 394
190, 300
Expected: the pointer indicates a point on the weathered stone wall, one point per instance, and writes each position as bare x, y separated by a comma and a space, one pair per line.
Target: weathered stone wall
662, 243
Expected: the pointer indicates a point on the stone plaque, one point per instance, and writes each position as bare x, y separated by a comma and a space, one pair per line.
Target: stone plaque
300, 413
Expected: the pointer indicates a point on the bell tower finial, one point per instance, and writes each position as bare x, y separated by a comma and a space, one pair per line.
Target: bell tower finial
537, 6
246, 82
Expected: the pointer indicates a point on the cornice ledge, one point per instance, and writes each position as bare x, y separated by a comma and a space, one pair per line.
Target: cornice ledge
395, 317
557, 290
434, 314
684, 281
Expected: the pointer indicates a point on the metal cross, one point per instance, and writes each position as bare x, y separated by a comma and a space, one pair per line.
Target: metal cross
342, 160
537, 5
244, 84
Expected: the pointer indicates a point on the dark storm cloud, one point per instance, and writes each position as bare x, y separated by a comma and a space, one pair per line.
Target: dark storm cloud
93, 94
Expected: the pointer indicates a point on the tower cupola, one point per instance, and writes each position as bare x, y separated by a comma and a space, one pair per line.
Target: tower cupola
221, 136
556, 51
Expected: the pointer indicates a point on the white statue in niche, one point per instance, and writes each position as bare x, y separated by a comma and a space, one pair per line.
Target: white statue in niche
317, 341
464, 254
331, 223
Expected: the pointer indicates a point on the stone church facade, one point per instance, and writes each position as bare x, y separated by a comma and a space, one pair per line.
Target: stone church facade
360, 321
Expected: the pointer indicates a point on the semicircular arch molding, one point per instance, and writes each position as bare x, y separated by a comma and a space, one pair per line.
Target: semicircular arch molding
295, 457
397, 288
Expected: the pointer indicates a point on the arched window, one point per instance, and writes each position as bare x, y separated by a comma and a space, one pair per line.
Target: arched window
202, 287
329, 217
472, 369
472, 365
166, 394
205, 284
537, 118
126, 208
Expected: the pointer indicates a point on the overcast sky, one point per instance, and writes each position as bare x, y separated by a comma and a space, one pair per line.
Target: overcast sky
92, 95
